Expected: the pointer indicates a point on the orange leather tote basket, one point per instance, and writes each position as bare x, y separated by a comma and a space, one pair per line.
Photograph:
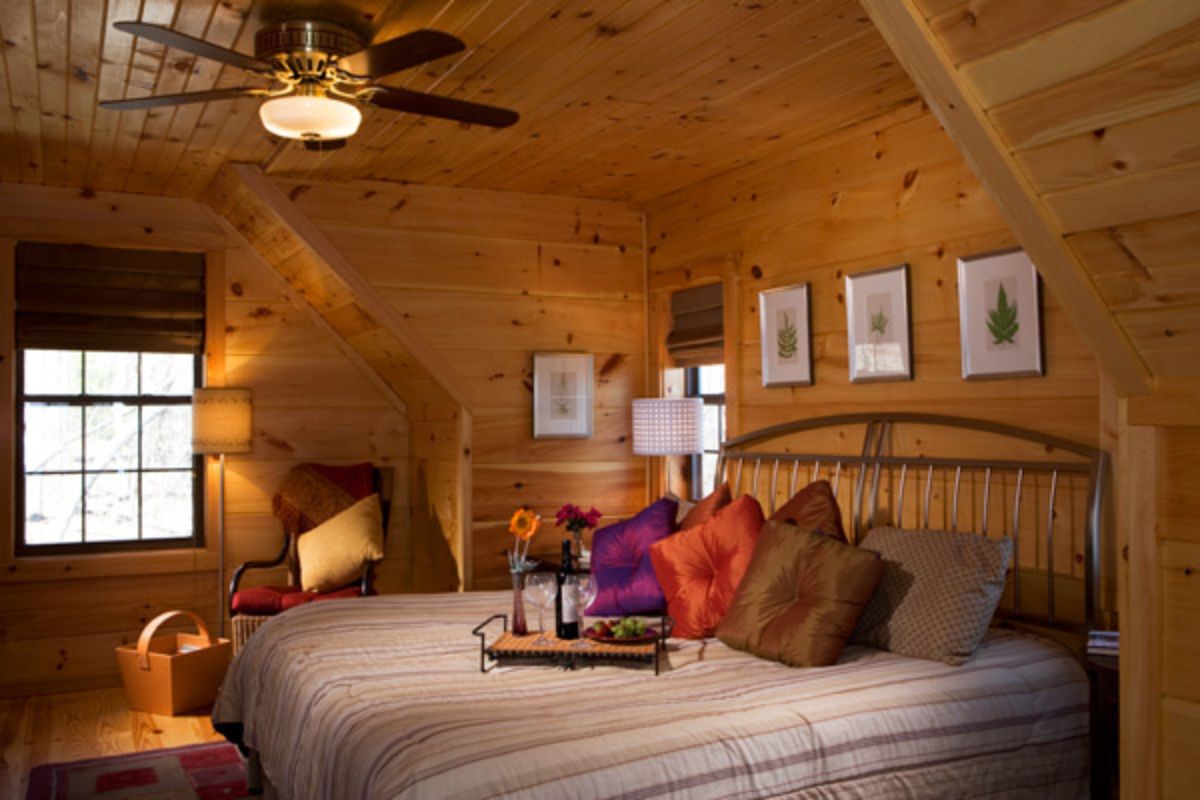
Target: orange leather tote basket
176, 672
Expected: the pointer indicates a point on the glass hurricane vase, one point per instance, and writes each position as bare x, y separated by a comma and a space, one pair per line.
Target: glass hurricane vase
519, 627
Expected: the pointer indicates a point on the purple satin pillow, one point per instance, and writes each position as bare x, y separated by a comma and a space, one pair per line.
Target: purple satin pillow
621, 567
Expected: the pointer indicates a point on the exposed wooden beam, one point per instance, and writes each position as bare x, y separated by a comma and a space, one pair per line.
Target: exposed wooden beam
319, 322
318, 272
957, 108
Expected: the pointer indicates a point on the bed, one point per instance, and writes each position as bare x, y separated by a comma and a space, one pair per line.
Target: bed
383, 697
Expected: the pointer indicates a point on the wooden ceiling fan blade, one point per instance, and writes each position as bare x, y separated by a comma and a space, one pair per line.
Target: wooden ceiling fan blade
190, 44
158, 101
400, 53
432, 105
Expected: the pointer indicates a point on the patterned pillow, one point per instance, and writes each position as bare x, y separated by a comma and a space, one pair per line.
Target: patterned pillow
621, 562
814, 508
938, 592
699, 569
801, 596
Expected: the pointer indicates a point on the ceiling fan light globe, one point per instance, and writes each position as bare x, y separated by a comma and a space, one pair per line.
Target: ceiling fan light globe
310, 117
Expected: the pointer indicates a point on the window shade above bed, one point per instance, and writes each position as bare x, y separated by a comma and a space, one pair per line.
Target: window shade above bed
697, 326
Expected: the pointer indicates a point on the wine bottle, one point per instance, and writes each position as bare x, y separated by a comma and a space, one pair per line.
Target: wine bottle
566, 611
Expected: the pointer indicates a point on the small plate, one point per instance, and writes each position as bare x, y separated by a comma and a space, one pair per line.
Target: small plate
649, 636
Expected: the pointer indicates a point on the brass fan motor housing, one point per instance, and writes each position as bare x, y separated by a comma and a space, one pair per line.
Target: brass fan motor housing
306, 48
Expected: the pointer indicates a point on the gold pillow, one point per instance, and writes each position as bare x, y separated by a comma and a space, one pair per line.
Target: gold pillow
801, 597
333, 553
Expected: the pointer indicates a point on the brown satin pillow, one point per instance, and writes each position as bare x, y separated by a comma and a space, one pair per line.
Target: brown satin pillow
704, 509
801, 597
814, 508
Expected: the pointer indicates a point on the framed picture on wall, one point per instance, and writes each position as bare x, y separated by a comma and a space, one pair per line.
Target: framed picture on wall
879, 336
563, 387
784, 324
1000, 316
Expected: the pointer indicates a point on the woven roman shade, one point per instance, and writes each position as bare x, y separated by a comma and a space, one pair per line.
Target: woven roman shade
697, 326
73, 297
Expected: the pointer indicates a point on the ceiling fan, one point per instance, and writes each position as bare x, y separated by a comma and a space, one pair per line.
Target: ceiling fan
320, 74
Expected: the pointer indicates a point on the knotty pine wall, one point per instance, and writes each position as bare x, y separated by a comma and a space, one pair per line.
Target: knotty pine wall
865, 198
488, 278
884, 192
61, 617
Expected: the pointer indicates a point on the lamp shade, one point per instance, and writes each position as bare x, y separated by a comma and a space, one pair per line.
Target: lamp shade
668, 426
221, 420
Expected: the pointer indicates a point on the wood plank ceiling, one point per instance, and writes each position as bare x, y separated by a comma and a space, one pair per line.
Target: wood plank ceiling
1098, 103
620, 99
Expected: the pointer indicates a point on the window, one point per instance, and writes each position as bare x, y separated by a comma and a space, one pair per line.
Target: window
708, 382
105, 370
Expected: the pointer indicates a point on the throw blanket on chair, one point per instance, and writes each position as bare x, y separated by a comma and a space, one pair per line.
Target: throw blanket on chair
313, 493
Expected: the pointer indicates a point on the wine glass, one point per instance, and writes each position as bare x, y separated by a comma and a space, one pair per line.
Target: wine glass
585, 593
540, 588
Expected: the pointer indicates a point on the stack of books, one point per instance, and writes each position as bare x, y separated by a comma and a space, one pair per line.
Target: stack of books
1104, 643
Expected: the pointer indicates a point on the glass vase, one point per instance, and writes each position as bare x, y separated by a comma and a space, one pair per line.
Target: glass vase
519, 627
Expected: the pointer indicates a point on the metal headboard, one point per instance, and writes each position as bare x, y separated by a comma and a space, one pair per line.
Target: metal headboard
864, 471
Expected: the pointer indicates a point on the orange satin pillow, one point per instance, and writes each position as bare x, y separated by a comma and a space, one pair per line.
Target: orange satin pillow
700, 568
801, 597
703, 509
814, 508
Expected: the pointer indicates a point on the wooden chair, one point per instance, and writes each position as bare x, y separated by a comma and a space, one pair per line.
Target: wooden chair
250, 608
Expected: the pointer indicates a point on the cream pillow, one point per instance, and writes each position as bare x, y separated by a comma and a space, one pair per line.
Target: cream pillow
332, 554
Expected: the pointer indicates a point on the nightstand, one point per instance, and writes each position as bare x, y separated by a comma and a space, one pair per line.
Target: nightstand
1104, 679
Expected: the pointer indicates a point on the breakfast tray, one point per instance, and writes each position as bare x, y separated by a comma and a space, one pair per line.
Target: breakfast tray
509, 648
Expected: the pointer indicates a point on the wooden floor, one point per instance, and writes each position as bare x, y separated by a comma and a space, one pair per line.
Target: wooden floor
76, 725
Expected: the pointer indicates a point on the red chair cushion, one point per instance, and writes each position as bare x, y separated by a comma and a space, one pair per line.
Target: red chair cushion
267, 601
699, 569
260, 601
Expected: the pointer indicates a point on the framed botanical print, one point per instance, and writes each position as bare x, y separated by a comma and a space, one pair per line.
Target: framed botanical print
1000, 316
784, 324
879, 336
563, 389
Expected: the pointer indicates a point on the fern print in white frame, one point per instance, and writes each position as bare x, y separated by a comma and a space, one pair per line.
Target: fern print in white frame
878, 334
563, 391
783, 315
1000, 316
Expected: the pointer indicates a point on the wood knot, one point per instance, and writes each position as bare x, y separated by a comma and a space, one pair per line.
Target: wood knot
756, 271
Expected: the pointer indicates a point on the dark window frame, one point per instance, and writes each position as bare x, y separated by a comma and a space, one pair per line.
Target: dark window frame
691, 388
84, 400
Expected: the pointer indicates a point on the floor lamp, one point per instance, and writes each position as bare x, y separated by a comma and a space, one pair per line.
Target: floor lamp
668, 426
221, 424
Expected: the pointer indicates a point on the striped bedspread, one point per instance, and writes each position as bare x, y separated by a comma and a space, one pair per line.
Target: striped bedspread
383, 698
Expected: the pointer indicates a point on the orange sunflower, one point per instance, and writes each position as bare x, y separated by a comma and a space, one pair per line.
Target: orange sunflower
524, 524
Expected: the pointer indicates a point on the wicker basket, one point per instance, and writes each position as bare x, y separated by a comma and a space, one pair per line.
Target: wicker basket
244, 626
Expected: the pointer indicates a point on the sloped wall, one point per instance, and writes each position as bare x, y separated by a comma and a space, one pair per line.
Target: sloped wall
61, 617
487, 279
